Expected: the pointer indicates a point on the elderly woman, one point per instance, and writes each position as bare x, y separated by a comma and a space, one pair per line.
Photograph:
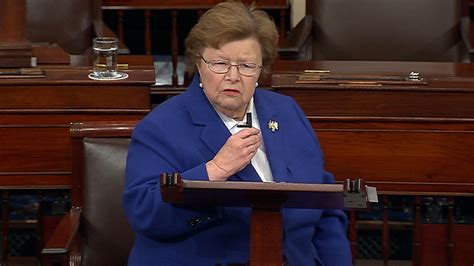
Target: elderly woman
198, 134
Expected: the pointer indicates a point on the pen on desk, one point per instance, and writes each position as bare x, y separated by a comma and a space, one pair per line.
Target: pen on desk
248, 123
122, 66
317, 71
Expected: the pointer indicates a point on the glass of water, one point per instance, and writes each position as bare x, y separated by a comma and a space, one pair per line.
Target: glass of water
104, 51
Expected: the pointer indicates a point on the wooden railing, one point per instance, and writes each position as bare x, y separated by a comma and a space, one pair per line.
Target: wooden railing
178, 26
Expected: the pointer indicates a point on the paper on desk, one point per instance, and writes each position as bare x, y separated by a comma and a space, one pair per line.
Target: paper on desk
372, 194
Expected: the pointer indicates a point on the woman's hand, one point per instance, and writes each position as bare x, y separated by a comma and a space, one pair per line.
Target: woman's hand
236, 153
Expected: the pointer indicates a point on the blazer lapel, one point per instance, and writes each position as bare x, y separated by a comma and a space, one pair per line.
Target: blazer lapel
273, 140
214, 133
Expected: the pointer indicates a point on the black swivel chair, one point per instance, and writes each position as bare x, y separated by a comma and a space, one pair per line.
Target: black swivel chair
381, 30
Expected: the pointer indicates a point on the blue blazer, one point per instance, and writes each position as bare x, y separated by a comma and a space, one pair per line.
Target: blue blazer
181, 135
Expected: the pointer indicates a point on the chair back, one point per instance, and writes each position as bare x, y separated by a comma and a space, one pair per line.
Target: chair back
71, 24
383, 30
99, 157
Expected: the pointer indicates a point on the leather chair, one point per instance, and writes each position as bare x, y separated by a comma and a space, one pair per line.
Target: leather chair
374, 30
95, 231
70, 24
61, 32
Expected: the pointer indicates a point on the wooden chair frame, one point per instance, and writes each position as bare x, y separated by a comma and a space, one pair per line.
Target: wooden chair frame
64, 245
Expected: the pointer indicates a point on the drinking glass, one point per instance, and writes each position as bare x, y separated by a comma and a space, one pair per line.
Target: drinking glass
104, 51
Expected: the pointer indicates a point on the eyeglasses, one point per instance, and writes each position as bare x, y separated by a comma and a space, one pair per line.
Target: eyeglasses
220, 66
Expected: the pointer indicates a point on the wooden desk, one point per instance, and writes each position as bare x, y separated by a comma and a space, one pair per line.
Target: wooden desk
35, 116
411, 139
402, 137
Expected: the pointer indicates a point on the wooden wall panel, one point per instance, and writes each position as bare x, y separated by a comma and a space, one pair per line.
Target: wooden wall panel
28, 149
73, 96
463, 252
433, 246
389, 102
400, 155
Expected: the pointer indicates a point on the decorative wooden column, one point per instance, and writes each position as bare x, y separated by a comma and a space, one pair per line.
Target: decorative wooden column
5, 227
15, 49
148, 32
417, 232
174, 46
353, 235
450, 248
385, 231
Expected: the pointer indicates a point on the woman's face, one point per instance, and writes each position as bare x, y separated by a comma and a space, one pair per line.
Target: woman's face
231, 92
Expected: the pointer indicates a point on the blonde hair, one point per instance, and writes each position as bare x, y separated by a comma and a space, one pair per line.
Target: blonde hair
232, 21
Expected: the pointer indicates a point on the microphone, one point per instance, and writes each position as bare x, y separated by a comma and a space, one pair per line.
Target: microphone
248, 123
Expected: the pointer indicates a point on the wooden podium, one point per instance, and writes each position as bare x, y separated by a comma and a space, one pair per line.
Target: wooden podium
266, 201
